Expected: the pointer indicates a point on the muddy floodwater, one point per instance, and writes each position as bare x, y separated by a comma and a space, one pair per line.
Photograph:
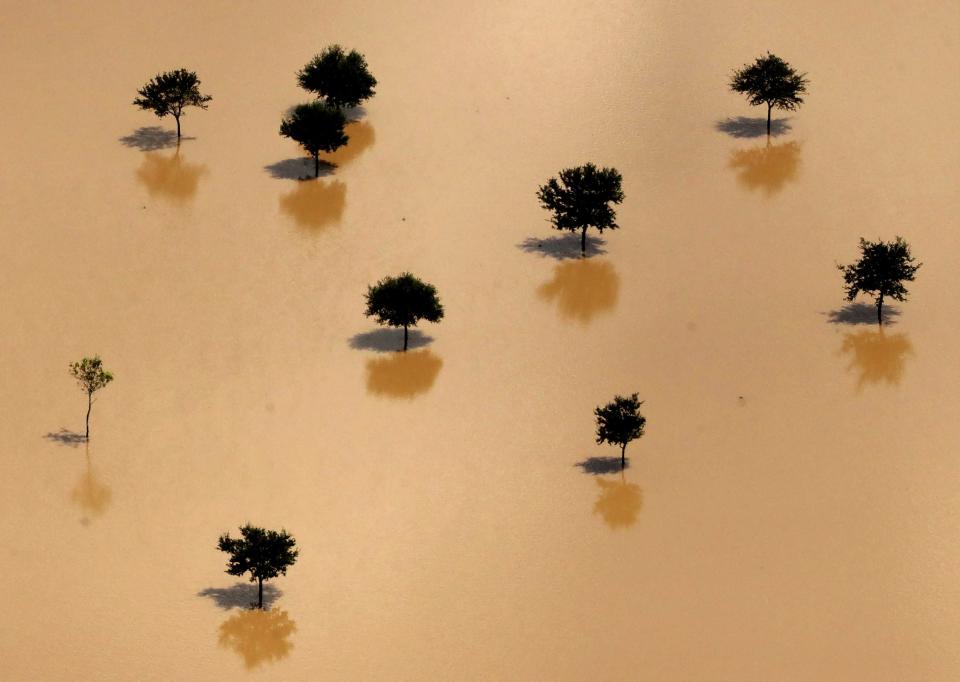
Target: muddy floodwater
793, 511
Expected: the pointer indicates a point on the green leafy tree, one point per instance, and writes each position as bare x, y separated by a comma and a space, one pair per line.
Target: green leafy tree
881, 271
581, 198
402, 302
771, 81
619, 422
264, 554
341, 79
170, 92
91, 376
317, 127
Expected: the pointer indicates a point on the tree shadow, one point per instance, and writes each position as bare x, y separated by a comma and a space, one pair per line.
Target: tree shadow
562, 247
300, 168
862, 313
65, 437
745, 127
403, 375
360, 136
768, 168
151, 139
354, 113
241, 595
92, 495
315, 205
582, 288
169, 176
619, 503
601, 465
877, 357
385, 340
258, 636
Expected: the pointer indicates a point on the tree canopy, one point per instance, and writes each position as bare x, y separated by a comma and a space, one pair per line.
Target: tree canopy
91, 377
771, 81
264, 554
581, 198
170, 92
340, 78
402, 302
317, 127
881, 271
619, 422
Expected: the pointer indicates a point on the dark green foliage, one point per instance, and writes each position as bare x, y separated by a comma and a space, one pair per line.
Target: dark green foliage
264, 554
91, 376
402, 302
170, 92
341, 79
771, 81
881, 271
582, 198
620, 422
317, 127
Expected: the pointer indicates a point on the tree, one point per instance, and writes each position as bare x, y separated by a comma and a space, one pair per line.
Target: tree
582, 198
169, 92
317, 127
619, 422
881, 271
265, 554
402, 302
341, 79
771, 81
91, 376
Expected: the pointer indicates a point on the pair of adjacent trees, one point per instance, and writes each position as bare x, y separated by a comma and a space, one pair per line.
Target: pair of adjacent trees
339, 80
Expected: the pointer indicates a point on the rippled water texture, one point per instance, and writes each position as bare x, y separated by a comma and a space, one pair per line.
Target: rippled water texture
792, 512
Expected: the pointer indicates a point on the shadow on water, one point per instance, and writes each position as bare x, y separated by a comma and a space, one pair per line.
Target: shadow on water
602, 465
385, 340
90, 494
744, 126
767, 168
241, 595
361, 137
562, 247
315, 204
862, 313
582, 288
152, 138
619, 502
877, 357
300, 168
65, 437
403, 375
258, 636
168, 176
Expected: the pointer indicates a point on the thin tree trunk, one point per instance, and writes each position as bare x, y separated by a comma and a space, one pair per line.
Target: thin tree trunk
178, 127
316, 165
404, 337
260, 595
769, 110
623, 456
583, 241
89, 407
880, 310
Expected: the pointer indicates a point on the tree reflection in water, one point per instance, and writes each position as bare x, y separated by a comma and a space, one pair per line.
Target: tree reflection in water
876, 356
168, 176
768, 168
619, 502
258, 636
90, 494
361, 138
315, 204
582, 289
403, 374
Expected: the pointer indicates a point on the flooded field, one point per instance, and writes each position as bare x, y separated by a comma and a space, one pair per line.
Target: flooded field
793, 512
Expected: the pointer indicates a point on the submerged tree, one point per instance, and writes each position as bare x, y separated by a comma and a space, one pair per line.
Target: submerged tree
341, 79
265, 554
170, 92
402, 302
317, 127
91, 376
581, 199
619, 422
771, 81
881, 271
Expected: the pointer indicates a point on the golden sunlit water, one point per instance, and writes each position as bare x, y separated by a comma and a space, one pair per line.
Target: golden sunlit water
792, 512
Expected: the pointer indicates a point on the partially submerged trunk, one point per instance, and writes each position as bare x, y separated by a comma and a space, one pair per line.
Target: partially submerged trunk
880, 310
623, 456
260, 594
769, 111
405, 336
583, 241
89, 407
177, 116
316, 165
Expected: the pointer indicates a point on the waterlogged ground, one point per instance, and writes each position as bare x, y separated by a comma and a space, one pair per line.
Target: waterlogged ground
793, 511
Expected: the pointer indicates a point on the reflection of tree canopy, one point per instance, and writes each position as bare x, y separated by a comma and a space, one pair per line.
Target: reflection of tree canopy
767, 168
403, 374
169, 176
876, 356
91, 495
315, 203
361, 137
582, 288
619, 502
258, 636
